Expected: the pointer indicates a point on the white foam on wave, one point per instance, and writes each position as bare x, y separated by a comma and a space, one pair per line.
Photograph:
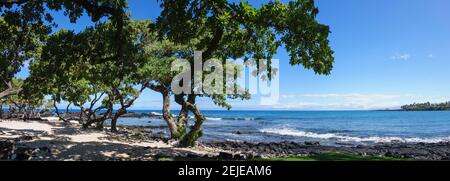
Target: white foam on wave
213, 119
156, 114
344, 138
242, 118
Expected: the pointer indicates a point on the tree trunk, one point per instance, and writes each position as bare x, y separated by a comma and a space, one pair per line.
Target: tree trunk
114, 124
167, 115
195, 131
100, 125
57, 111
182, 121
183, 118
114, 119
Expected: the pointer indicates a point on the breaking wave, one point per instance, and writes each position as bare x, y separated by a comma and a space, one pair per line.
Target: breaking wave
213, 119
344, 138
236, 118
156, 114
244, 118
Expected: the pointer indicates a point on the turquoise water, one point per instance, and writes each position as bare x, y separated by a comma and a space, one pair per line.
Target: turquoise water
327, 127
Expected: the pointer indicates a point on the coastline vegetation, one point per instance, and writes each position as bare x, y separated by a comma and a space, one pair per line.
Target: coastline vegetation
427, 107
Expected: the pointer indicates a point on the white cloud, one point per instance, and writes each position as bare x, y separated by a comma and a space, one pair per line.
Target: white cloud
345, 96
430, 55
338, 106
340, 101
351, 96
401, 56
353, 101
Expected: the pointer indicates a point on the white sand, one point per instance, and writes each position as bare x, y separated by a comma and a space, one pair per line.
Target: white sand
32, 126
55, 128
51, 128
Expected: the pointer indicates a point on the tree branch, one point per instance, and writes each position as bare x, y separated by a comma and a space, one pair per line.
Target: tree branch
12, 2
10, 90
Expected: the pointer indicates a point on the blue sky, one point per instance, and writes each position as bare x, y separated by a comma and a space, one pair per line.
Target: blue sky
387, 53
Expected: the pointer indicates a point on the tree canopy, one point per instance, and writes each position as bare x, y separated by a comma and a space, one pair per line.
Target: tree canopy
85, 69
219, 28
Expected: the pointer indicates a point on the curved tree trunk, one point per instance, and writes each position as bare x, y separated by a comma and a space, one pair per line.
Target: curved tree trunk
57, 111
195, 131
125, 103
167, 115
183, 118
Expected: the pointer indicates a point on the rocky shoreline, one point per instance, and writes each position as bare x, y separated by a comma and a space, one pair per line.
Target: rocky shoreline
415, 151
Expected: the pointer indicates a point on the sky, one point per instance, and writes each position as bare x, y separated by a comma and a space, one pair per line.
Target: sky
387, 53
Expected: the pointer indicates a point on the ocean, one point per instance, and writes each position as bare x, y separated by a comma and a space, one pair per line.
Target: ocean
326, 127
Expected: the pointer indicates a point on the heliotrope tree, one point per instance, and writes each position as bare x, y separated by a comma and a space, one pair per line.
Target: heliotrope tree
88, 70
23, 31
158, 74
222, 30
25, 24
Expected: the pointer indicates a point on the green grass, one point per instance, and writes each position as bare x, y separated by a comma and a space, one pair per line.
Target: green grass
332, 157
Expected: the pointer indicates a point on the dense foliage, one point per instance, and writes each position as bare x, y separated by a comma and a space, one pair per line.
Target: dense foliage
86, 70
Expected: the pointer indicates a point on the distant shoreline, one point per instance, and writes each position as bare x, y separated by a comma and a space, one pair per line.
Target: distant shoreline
401, 110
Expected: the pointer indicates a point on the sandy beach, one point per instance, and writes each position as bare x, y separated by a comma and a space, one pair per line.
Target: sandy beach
57, 140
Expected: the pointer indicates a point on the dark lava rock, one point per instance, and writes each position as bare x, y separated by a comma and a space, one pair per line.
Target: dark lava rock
419, 151
310, 143
192, 156
46, 114
251, 156
134, 115
240, 157
225, 156
208, 157
26, 138
159, 136
23, 153
6, 147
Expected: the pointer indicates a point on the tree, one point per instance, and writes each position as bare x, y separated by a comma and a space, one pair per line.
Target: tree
20, 106
23, 32
157, 74
88, 70
222, 29
26, 23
